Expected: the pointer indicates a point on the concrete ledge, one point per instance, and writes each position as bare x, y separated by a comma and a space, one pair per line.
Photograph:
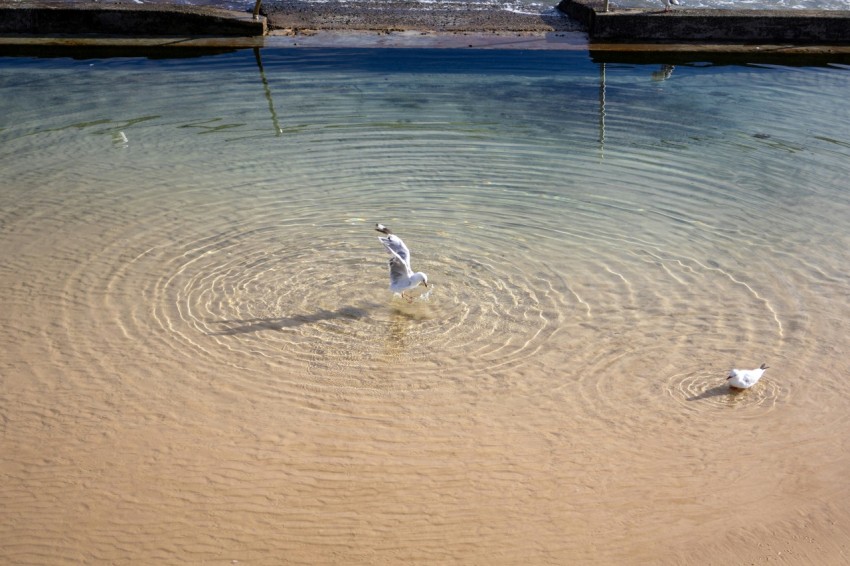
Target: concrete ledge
397, 15
147, 20
683, 24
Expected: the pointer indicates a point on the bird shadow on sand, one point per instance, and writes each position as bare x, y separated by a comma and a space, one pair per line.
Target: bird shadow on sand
235, 327
718, 391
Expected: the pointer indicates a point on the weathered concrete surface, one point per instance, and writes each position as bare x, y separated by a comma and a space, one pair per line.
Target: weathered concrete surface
398, 15
145, 20
692, 25
651, 29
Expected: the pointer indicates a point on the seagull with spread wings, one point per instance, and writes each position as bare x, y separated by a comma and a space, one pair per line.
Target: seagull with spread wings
402, 277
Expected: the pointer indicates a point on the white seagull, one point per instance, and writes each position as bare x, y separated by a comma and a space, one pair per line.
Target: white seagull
668, 3
402, 277
745, 378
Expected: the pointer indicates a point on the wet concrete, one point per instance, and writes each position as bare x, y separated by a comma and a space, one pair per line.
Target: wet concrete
701, 25
297, 15
400, 23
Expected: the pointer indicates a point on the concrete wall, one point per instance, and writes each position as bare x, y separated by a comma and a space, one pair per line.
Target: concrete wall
683, 24
36, 18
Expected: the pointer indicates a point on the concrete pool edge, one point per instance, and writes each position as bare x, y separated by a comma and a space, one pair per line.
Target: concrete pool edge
124, 20
648, 52
168, 29
709, 25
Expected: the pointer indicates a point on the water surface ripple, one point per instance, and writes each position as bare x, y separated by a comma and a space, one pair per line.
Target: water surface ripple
202, 362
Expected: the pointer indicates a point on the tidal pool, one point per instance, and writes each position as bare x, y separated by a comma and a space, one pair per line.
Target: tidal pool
200, 361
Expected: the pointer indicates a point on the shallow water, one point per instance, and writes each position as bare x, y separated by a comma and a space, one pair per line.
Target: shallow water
201, 361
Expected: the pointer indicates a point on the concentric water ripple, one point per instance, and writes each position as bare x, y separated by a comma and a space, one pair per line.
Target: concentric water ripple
197, 322
318, 304
702, 388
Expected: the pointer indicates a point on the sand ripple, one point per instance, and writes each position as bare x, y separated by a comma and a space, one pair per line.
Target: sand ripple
201, 361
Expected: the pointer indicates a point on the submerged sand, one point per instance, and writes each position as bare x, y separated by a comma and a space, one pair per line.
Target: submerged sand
199, 361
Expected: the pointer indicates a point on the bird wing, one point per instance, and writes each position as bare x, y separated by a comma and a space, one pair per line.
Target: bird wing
753, 376
398, 250
399, 273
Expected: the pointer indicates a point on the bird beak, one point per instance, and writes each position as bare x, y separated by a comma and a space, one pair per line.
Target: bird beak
425, 283
728, 378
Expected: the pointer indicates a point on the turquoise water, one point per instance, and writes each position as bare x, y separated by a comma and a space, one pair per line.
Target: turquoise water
201, 360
